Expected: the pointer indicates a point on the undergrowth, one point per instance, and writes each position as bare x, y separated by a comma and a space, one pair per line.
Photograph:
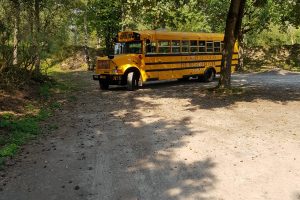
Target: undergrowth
16, 131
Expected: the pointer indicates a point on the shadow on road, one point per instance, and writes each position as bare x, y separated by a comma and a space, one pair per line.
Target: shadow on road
145, 165
133, 146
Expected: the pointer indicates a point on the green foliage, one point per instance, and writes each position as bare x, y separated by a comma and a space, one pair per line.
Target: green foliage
18, 130
45, 91
275, 36
105, 18
8, 150
188, 17
39, 29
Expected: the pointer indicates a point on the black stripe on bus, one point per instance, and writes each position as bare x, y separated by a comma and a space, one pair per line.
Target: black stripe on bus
170, 69
184, 54
234, 65
180, 62
152, 79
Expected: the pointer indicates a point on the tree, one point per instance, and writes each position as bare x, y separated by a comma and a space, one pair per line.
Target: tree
232, 30
30, 31
104, 16
16, 6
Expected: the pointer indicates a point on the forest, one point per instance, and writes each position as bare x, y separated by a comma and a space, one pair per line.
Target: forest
37, 34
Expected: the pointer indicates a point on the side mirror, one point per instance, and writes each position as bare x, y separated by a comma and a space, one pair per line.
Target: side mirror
115, 39
111, 56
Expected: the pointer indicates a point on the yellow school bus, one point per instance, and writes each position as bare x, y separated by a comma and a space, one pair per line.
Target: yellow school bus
142, 56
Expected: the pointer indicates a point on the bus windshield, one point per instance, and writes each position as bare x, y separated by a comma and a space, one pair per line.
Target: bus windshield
128, 48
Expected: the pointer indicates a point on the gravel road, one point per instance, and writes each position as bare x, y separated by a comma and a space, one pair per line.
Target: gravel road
170, 140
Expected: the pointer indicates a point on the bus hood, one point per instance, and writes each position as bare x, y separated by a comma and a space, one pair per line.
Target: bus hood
126, 59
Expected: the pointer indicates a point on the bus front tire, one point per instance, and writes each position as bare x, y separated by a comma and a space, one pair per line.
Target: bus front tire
132, 81
104, 85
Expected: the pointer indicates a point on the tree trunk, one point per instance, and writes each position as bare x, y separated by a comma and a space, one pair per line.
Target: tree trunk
232, 30
37, 24
86, 52
108, 45
109, 48
16, 5
241, 53
75, 32
98, 42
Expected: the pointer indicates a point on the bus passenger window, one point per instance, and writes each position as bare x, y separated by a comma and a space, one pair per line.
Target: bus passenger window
217, 46
185, 46
209, 46
151, 47
164, 46
175, 46
202, 46
222, 46
194, 46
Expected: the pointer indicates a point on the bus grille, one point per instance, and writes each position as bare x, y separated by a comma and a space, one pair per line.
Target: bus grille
103, 64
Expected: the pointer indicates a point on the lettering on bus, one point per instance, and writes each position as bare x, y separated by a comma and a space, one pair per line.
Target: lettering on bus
126, 36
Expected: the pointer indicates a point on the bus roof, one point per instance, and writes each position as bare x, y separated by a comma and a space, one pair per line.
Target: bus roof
170, 35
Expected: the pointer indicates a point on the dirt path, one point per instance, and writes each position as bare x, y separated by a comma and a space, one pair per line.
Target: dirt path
167, 141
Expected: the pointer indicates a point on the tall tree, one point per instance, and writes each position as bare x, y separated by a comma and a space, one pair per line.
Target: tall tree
37, 36
16, 6
258, 15
232, 30
105, 17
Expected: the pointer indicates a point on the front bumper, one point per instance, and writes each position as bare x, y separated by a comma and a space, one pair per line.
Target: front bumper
96, 77
112, 79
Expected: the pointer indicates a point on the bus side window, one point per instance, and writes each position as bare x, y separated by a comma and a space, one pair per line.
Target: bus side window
185, 46
209, 46
217, 46
175, 46
194, 46
164, 46
202, 46
222, 46
150, 47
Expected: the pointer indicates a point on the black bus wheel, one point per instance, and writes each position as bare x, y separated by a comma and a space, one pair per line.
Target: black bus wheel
209, 75
132, 81
104, 85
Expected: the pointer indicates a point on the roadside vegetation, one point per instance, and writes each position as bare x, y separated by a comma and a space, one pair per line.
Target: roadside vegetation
24, 122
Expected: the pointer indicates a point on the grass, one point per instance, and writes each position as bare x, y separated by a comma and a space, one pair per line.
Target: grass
17, 130
20, 131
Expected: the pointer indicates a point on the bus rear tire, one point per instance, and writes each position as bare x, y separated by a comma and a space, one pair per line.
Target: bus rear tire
132, 81
208, 76
104, 85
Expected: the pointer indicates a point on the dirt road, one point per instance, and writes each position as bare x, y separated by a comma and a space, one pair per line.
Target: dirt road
167, 141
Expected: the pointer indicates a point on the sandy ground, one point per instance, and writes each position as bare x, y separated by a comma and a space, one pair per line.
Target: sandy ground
167, 141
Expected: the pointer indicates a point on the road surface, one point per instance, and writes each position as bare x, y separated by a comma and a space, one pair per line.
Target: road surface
171, 140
